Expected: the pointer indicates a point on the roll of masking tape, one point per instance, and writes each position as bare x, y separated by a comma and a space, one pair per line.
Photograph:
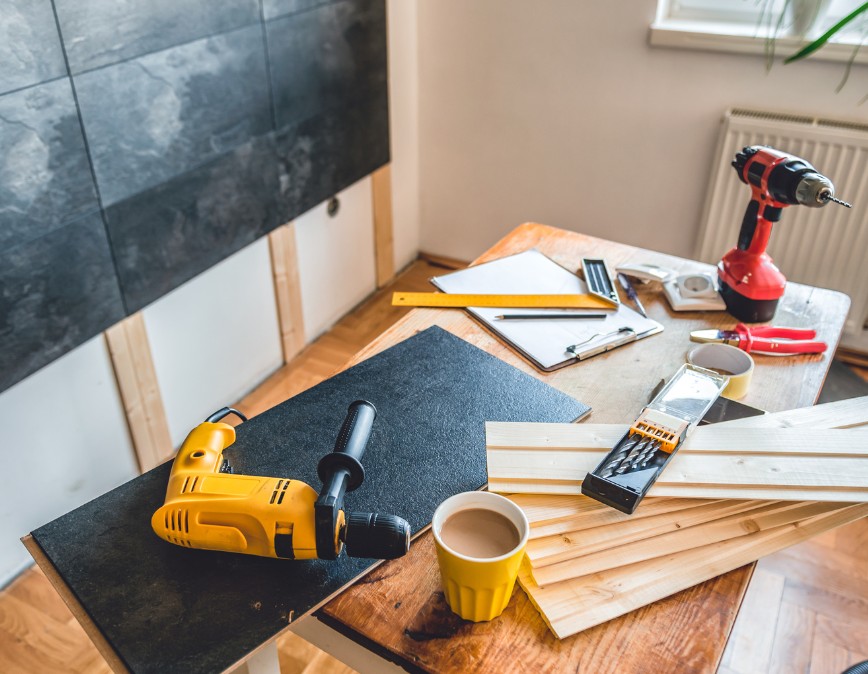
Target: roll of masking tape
727, 360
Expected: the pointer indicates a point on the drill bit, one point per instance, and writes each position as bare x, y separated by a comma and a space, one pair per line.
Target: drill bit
829, 197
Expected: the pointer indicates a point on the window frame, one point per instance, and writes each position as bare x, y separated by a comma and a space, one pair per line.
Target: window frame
689, 25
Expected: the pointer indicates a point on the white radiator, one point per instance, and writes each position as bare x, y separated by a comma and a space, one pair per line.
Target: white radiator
826, 247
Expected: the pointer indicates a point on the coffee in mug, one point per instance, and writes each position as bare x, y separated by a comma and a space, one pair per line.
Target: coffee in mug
479, 533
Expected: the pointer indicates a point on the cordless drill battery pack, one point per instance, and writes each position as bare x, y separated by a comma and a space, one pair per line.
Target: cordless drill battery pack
627, 473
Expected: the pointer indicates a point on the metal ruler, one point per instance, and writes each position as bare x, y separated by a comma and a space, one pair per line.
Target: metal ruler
401, 299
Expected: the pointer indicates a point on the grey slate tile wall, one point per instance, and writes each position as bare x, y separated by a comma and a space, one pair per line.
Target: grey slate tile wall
141, 143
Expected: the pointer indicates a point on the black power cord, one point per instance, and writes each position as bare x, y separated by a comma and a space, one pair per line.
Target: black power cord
225, 412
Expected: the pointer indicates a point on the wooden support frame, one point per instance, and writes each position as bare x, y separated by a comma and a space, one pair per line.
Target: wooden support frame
133, 365
287, 290
384, 248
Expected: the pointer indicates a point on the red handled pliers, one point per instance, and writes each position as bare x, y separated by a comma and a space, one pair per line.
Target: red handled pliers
764, 339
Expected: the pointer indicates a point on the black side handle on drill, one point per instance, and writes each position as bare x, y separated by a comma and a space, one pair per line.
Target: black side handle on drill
365, 534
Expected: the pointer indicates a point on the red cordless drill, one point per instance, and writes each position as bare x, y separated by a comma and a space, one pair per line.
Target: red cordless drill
750, 283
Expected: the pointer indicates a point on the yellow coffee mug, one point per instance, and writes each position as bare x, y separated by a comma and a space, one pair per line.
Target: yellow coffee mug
479, 588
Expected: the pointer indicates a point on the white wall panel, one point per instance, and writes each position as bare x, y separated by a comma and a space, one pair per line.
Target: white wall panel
64, 441
215, 338
336, 258
561, 112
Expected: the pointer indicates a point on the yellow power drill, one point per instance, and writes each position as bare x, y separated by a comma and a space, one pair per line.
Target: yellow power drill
209, 507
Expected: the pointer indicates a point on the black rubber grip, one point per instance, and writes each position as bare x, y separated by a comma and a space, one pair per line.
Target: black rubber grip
350, 445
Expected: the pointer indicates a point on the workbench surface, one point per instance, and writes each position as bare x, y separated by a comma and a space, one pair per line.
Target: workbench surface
399, 610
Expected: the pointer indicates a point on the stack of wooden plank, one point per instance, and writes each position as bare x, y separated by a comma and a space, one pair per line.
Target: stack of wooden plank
734, 492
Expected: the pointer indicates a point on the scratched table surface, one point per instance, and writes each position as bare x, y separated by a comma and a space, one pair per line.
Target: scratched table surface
398, 609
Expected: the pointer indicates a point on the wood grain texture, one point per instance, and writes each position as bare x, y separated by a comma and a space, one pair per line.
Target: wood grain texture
92, 631
533, 462
381, 193
136, 376
577, 604
579, 543
763, 516
416, 624
400, 606
287, 290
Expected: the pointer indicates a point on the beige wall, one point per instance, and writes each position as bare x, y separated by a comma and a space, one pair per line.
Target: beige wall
559, 111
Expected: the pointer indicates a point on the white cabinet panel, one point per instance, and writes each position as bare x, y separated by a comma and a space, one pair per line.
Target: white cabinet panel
64, 440
215, 338
336, 258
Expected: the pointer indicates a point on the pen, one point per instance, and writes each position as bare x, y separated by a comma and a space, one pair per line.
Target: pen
512, 317
631, 293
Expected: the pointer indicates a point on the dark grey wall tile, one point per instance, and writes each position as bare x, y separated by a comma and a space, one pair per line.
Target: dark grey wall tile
99, 33
44, 175
29, 45
169, 234
326, 58
56, 292
158, 116
323, 155
274, 8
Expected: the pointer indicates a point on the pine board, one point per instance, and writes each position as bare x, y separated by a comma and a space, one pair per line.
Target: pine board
822, 459
581, 603
577, 543
763, 517
601, 515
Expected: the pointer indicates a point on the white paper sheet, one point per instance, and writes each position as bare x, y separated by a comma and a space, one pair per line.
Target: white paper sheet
544, 342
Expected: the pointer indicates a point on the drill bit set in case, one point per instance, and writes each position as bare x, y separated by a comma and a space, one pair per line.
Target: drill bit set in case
626, 474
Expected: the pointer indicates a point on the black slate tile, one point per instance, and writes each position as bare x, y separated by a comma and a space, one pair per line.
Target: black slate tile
169, 234
45, 179
56, 292
30, 50
159, 116
271, 9
324, 154
326, 58
99, 33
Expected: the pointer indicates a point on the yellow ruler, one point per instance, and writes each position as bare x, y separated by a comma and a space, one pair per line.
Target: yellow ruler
401, 299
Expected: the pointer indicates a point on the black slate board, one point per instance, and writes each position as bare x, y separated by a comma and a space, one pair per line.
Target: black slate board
164, 608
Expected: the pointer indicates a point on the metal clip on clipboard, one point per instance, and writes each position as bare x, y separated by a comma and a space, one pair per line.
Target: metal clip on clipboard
622, 336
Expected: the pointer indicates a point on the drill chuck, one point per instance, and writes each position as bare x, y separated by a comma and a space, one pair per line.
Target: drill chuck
814, 190
376, 536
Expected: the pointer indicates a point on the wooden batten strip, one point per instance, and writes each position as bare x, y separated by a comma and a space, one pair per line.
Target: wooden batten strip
607, 516
761, 463
578, 604
849, 413
133, 365
718, 438
779, 493
572, 544
287, 290
762, 517
384, 249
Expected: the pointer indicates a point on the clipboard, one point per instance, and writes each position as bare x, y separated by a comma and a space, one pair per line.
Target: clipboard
545, 343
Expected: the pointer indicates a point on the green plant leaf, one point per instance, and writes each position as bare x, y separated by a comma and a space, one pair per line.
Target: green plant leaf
809, 49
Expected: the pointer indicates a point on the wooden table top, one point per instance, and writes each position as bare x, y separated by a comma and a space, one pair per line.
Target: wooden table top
398, 609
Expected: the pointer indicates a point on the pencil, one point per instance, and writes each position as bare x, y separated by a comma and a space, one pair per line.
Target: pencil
544, 317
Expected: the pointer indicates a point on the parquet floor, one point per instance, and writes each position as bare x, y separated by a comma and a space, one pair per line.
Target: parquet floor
806, 610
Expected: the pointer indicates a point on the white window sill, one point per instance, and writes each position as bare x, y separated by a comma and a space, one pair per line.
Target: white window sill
741, 39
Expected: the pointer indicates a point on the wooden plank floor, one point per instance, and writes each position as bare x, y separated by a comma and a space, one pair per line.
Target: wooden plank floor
806, 610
